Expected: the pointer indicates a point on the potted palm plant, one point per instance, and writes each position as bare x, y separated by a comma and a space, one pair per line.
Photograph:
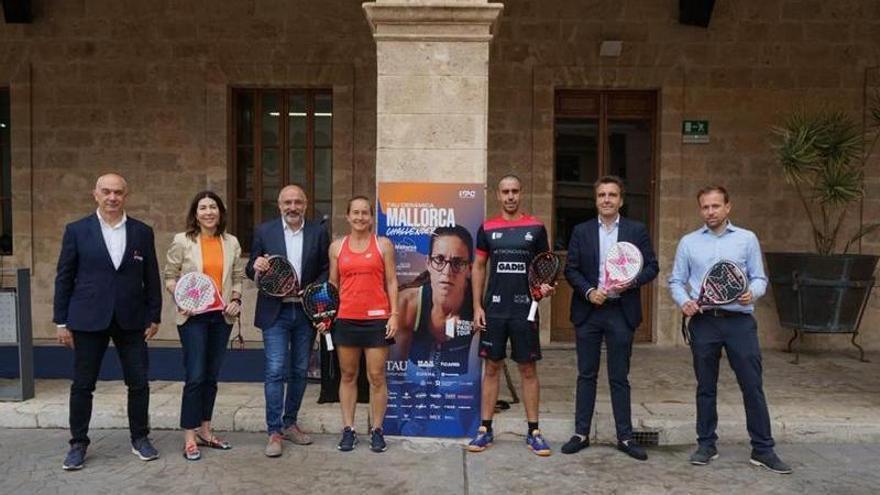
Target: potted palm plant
824, 155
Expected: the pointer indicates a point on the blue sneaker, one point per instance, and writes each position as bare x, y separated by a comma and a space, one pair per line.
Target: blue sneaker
537, 444
145, 451
482, 441
76, 457
377, 441
349, 440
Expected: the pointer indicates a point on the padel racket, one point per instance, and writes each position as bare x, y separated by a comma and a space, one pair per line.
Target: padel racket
196, 293
623, 262
321, 300
279, 279
723, 284
542, 270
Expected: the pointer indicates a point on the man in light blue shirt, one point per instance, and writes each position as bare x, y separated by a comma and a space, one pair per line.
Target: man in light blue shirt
730, 327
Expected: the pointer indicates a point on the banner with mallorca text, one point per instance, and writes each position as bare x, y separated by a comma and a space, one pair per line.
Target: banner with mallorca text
433, 371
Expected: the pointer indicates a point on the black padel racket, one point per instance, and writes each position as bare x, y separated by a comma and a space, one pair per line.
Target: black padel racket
723, 284
321, 301
542, 270
279, 279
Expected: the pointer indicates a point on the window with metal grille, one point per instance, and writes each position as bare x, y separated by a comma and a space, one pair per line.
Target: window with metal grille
279, 137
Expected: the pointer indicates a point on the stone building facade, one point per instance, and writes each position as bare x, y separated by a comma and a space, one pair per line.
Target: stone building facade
145, 88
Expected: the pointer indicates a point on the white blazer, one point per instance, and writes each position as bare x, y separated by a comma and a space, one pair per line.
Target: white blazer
185, 255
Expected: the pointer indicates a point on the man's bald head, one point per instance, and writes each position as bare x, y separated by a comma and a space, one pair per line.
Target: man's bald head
292, 203
111, 179
110, 193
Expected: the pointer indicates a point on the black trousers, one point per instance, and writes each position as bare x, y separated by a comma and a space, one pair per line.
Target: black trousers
738, 336
89, 349
606, 322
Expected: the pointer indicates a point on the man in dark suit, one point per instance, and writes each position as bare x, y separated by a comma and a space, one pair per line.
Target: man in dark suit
107, 287
287, 332
612, 312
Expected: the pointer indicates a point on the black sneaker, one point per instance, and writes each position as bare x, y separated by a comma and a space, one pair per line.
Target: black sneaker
377, 441
770, 461
76, 457
632, 449
703, 455
145, 451
575, 444
349, 440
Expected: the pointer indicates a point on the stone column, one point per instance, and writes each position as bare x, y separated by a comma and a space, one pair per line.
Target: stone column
432, 88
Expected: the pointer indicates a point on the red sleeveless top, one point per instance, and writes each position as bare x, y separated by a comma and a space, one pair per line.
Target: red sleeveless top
362, 293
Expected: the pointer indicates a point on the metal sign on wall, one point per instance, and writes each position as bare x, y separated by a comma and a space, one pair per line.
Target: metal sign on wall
695, 131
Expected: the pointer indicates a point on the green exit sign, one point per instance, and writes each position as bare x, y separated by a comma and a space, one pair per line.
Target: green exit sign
695, 131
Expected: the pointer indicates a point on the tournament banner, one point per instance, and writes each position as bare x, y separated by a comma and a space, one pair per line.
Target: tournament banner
434, 370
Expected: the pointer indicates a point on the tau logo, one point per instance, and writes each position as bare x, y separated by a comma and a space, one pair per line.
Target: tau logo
467, 194
529, 236
497, 235
510, 267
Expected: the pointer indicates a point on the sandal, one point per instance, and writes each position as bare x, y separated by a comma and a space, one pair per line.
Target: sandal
191, 452
214, 442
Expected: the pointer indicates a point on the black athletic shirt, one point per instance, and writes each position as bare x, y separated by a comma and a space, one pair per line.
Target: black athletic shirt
510, 246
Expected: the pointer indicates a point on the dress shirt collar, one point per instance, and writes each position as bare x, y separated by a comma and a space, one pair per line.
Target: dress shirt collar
615, 224
287, 227
105, 225
730, 227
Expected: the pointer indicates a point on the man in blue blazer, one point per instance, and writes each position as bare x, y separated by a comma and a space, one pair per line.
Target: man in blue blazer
287, 332
107, 287
613, 313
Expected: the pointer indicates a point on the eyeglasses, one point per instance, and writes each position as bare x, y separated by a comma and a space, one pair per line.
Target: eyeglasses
439, 262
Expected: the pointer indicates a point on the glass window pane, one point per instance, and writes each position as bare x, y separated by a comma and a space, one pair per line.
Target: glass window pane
271, 177
323, 173
244, 166
323, 120
245, 224
323, 213
577, 167
244, 106
271, 118
629, 156
297, 166
296, 122
269, 209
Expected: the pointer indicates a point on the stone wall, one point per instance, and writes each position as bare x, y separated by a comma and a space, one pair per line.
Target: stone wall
142, 87
756, 61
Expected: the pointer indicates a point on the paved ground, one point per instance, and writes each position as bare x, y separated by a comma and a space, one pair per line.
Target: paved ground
30, 464
829, 397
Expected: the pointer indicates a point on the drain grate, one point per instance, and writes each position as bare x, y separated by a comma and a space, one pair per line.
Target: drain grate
647, 438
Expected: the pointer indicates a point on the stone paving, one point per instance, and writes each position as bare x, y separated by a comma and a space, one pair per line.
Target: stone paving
829, 397
30, 463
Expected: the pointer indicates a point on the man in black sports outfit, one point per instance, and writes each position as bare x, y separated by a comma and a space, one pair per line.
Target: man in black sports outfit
507, 244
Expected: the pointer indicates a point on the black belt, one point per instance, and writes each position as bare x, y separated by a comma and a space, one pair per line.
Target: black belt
721, 313
610, 302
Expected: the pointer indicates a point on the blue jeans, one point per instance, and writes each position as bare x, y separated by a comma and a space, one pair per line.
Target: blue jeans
204, 338
287, 345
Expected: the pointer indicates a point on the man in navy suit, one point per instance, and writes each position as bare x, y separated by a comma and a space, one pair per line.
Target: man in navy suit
107, 287
287, 332
613, 313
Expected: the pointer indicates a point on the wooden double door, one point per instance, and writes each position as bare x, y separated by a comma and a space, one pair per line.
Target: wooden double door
598, 133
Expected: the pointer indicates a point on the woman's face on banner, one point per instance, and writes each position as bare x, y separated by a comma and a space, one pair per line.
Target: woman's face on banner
448, 265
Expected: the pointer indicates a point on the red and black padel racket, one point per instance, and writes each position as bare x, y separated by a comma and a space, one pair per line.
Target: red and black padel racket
724, 283
321, 301
280, 279
543, 269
